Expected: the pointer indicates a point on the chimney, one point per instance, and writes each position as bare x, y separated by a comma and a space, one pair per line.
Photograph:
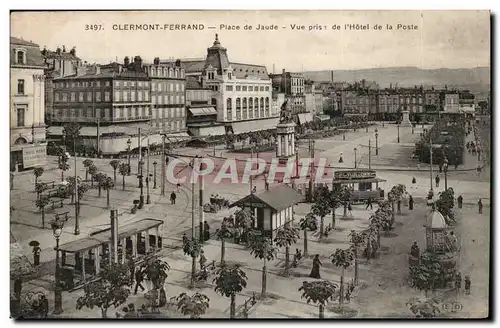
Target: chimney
390, 86
64, 48
126, 61
137, 63
73, 51
331, 73
97, 69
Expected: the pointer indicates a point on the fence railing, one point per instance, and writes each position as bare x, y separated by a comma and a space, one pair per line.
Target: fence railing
248, 305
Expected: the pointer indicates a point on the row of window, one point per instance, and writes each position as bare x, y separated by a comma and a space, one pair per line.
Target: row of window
247, 88
248, 113
130, 112
167, 100
297, 81
130, 96
170, 125
98, 84
82, 96
252, 102
167, 86
171, 112
166, 72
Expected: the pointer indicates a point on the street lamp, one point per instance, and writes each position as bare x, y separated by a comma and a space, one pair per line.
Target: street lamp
355, 158
129, 143
154, 174
141, 197
398, 132
343, 135
376, 142
57, 229
445, 168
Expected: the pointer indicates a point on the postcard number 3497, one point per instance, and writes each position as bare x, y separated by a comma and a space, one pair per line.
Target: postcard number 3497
93, 27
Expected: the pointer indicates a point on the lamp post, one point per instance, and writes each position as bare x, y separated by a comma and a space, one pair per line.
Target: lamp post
398, 132
343, 135
355, 158
376, 142
129, 143
148, 197
154, 174
141, 197
445, 168
57, 229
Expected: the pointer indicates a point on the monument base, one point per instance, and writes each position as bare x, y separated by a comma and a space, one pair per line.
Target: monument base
405, 122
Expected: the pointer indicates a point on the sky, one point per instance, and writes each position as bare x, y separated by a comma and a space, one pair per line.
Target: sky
437, 39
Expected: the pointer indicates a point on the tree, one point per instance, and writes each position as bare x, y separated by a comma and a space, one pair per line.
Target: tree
72, 132
63, 166
225, 231
342, 258
356, 239
92, 171
262, 247
40, 204
112, 289
192, 248
321, 208
40, 188
370, 237
425, 275
445, 204
345, 195
318, 292
424, 309
229, 281
336, 198
107, 184
156, 271
71, 186
385, 216
38, 172
114, 164
82, 189
124, 169
244, 220
87, 163
194, 306
100, 178
309, 222
286, 235
396, 195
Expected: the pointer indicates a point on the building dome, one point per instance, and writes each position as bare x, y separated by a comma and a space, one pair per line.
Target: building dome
435, 220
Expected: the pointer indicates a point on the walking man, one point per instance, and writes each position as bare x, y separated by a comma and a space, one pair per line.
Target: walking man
437, 181
467, 285
460, 201
36, 255
369, 203
173, 196
139, 278
458, 282
480, 206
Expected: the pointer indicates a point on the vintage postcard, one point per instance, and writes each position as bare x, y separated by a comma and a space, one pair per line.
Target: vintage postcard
250, 164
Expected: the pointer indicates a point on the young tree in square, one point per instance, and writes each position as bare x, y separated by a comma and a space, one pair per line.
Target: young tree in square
87, 163
64, 166
321, 208
192, 247
262, 247
309, 222
427, 309
336, 198
356, 239
40, 188
124, 169
92, 171
244, 220
100, 178
194, 306
286, 235
38, 172
108, 184
225, 231
319, 292
111, 290
342, 258
427, 273
114, 164
41, 203
229, 281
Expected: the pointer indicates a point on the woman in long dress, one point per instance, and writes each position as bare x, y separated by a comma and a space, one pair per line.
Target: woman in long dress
315, 269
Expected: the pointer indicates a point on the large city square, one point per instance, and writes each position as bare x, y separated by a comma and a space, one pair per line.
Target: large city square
391, 221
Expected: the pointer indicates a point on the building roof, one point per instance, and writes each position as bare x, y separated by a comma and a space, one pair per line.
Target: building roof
435, 220
203, 111
278, 198
33, 55
63, 55
106, 73
192, 83
241, 71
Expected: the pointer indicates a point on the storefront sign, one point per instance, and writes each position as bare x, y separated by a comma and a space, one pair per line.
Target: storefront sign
34, 155
352, 175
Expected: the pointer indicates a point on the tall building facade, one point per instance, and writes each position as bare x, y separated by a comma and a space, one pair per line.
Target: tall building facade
28, 146
168, 100
242, 93
293, 86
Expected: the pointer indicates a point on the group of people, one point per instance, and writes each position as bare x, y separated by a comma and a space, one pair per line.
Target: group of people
458, 283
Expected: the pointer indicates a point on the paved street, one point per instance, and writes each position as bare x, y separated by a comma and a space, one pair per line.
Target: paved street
393, 164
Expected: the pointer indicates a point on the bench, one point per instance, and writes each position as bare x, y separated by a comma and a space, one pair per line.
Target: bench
63, 215
57, 203
49, 185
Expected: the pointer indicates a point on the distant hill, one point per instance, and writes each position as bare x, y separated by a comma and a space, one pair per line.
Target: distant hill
474, 79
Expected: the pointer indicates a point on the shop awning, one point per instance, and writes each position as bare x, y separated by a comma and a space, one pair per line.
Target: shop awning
305, 118
203, 111
323, 117
216, 130
255, 125
178, 137
85, 131
346, 181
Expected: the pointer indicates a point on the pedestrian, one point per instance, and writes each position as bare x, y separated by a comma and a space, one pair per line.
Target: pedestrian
414, 180
458, 282
43, 306
437, 181
440, 168
410, 203
203, 260
369, 203
456, 165
173, 196
460, 201
341, 159
184, 239
131, 268
415, 250
206, 231
467, 285
178, 186
139, 278
315, 268
254, 190
36, 255
480, 206
266, 184
349, 208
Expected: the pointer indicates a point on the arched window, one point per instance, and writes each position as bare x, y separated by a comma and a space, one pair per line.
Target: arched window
229, 103
250, 107
153, 71
214, 102
238, 108
256, 107
245, 108
262, 107
229, 106
267, 106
